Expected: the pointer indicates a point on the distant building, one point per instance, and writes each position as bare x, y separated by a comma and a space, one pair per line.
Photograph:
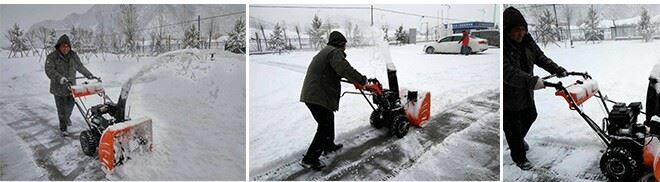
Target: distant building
472, 25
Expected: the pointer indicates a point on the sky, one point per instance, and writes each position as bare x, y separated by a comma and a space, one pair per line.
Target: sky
9, 14
303, 17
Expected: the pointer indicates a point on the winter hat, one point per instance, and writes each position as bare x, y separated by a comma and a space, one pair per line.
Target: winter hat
513, 18
62, 40
337, 39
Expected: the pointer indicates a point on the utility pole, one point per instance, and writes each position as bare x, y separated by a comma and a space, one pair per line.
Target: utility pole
372, 15
554, 7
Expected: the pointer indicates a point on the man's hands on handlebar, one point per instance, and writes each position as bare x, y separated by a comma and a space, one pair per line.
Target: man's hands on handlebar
371, 86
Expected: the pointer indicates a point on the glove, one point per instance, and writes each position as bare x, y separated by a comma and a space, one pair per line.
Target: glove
375, 88
358, 86
64, 81
539, 84
561, 73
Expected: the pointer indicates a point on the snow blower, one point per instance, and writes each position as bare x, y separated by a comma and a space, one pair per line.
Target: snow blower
630, 147
389, 112
110, 131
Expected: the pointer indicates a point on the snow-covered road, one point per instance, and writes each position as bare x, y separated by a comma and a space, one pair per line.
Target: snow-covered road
281, 127
197, 106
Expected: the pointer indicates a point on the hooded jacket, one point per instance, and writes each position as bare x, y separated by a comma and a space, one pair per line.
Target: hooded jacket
60, 66
518, 63
322, 80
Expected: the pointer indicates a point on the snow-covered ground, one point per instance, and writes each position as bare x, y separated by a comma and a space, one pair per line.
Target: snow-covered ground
197, 106
281, 127
562, 146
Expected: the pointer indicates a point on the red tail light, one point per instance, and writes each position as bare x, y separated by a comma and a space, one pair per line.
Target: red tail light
483, 42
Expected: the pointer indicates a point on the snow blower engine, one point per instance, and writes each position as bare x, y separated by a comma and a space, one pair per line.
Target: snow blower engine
389, 112
632, 147
111, 134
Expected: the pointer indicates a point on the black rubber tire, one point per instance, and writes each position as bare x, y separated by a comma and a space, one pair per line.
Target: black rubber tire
430, 50
400, 126
88, 143
376, 119
620, 164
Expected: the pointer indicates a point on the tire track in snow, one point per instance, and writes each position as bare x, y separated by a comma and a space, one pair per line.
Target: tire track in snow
60, 156
375, 155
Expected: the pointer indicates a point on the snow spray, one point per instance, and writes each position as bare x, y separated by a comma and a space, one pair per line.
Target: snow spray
379, 49
185, 63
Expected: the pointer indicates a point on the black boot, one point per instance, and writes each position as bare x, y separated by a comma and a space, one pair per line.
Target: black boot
314, 164
524, 164
332, 148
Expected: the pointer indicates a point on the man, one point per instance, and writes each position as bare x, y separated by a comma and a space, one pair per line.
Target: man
465, 42
61, 67
321, 91
520, 55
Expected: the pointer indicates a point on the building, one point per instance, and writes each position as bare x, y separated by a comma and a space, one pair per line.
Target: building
473, 25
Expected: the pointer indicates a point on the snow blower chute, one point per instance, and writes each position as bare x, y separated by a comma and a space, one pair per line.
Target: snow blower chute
111, 134
390, 112
632, 147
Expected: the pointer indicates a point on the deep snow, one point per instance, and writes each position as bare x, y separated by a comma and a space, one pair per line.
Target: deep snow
281, 127
197, 106
562, 146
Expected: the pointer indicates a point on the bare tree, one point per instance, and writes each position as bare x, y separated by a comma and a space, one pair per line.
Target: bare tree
298, 33
129, 26
16, 37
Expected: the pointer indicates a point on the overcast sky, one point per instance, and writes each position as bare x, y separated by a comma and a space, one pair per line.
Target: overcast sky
304, 17
29, 14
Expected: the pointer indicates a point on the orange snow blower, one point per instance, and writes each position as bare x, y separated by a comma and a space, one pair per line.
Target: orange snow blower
110, 131
632, 147
390, 112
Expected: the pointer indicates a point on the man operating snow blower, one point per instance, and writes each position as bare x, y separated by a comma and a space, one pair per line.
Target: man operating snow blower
321, 93
520, 55
61, 67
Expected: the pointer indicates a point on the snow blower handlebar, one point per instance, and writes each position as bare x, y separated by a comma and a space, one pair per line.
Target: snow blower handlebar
372, 80
559, 85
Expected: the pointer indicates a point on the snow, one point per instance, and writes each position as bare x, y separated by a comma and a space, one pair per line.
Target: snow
562, 145
281, 127
197, 107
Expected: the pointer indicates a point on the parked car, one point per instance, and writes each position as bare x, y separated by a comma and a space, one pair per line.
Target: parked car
450, 45
493, 36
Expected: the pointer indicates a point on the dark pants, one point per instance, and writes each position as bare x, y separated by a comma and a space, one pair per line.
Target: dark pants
516, 126
64, 106
325, 131
465, 50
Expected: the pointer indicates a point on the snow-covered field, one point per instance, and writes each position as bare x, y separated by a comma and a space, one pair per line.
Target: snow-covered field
465, 101
197, 106
562, 146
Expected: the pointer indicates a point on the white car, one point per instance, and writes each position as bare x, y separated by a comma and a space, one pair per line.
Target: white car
450, 45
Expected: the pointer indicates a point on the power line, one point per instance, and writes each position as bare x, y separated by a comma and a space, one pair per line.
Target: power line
189, 21
356, 8
309, 7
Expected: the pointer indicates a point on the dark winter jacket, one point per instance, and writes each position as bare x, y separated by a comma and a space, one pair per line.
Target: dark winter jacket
322, 81
59, 66
519, 79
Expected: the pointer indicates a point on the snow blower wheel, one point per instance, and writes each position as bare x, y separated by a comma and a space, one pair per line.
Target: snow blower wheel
89, 142
618, 164
376, 119
400, 126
